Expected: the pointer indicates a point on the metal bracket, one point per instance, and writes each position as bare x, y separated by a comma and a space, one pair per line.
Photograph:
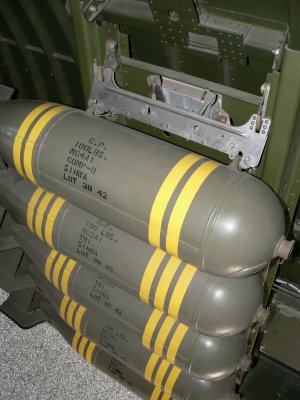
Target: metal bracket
196, 100
14, 268
22, 307
91, 9
278, 51
6, 92
190, 112
8, 243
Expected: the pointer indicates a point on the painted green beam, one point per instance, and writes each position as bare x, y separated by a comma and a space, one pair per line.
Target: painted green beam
284, 119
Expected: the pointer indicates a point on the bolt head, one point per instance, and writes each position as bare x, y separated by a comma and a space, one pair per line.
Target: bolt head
112, 44
144, 110
262, 88
92, 9
222, 118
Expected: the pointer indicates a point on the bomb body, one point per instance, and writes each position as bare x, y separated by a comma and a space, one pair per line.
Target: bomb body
105, 330
221, 389
204, 356
205, 302
194, 208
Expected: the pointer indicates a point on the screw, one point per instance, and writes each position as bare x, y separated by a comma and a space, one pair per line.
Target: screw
100, 108
263, 88
144, 110
112, 44
222, 118
92, 9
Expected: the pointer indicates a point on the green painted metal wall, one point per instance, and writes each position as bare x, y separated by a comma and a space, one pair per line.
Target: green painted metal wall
38, 51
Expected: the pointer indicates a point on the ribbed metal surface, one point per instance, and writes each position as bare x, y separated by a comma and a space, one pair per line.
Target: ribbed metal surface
37, 51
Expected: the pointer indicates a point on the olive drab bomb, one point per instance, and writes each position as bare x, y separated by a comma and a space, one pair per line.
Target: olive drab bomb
163, 281
123, 342
204, 356
158, 370
193, 208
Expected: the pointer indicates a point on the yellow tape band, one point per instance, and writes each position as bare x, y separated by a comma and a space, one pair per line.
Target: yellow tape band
180, 290
155, 394
164, 195
57, 268
161, 372
63, 306
165, 282
163, 334
79, 314
33, 137
176, 342
49, 262
82, 345
89, 352
149, 274
75, 340
150, 366
70, 313
166, 396
31, 206
172, 378
66, 276
150, 327
56, 207
23, 129
183, 204
40, 214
